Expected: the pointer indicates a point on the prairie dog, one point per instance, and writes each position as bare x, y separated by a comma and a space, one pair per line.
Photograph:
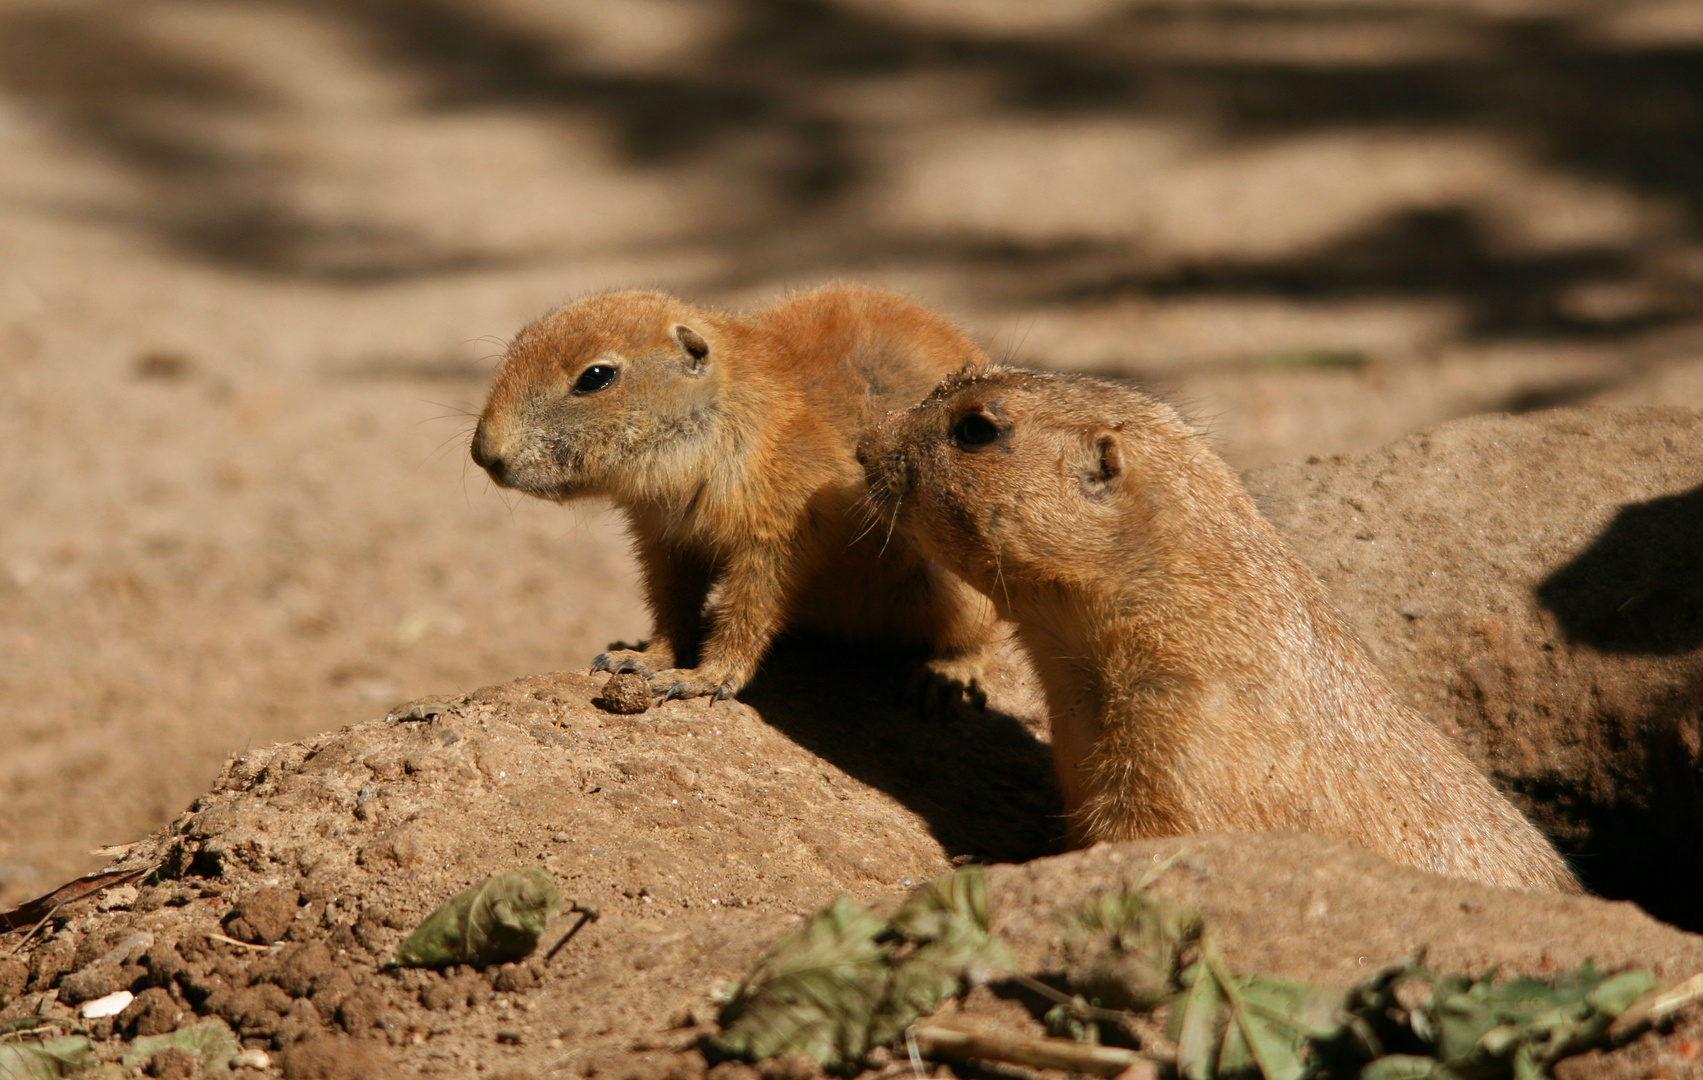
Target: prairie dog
1197, 676
728, 442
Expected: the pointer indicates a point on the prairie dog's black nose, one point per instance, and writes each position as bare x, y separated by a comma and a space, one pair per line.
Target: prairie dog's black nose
485, 457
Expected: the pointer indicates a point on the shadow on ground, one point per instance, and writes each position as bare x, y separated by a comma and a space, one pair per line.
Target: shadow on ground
983, 783
1637, 591
1638, 588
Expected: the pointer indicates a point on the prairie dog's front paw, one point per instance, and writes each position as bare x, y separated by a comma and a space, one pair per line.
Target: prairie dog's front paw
621, 661
687, 683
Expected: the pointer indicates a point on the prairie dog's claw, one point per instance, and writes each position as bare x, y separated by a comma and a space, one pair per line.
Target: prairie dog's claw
623, 661
687, 683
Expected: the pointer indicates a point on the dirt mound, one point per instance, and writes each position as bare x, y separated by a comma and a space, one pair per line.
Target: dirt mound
698, 832
1535, 583
701, 833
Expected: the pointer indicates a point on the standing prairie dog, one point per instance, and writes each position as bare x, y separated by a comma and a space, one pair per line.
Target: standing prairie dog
728, 441
1197, 675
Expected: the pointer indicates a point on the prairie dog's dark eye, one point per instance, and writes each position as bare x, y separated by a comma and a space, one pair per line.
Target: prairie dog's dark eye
594, 378
974, 430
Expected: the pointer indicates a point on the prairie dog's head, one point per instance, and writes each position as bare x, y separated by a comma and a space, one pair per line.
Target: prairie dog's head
1011, 477
612, 395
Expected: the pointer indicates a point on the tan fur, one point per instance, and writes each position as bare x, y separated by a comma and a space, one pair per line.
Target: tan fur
1197, 675
728, 442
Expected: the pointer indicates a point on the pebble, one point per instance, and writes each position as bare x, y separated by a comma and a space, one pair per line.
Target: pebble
110, 1005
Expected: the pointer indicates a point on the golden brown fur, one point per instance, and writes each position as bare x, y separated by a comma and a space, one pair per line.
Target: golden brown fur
1197, 675
728, 442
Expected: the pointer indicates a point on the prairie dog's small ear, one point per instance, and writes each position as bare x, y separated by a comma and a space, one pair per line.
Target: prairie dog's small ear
693, 342
1104, 463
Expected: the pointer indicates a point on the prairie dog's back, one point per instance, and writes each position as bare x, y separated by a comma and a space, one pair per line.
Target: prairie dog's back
861, 352
1198, 676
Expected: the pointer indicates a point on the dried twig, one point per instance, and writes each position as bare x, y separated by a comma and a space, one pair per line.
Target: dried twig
1655, 1006
1059, 997
25, 939
234, 941
586, 913
24, 914
1039, 1053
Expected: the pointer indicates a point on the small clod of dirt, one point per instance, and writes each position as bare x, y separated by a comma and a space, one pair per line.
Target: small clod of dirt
174, 1063
625, 694
163, 365
264, 917
154, 1012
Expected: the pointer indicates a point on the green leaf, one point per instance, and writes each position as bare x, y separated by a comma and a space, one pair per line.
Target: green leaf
1230, 1025
1615, 994
1068, 1021
212, 1041
1481, 1028
947, 921
1234, 1056
949, 904
815, 992
1275, 1018
45, 1059
1123, 948
494, 922
1199, 1024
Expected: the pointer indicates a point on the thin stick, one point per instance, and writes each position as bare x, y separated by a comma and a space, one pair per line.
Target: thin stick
234, 941
1088, 1012
1153, 873
1038, 1053
25, 939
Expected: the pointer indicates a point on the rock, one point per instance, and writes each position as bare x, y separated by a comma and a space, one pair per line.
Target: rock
107, 1005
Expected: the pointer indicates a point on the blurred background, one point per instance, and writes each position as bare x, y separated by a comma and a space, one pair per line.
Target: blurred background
257, 259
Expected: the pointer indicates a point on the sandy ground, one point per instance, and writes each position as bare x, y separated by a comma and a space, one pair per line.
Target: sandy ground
256, 259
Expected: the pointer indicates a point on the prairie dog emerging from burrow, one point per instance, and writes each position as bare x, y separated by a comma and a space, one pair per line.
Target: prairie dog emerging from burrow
1197, 675
728, 441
